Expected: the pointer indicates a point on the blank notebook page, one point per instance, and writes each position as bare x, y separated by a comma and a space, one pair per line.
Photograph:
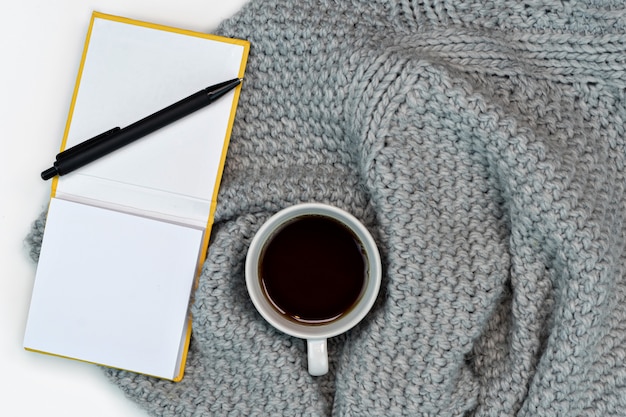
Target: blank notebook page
130, 72
122, 304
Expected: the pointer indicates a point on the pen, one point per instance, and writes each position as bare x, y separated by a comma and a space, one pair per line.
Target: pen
111, 140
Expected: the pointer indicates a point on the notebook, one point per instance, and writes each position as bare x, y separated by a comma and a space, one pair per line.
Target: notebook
126, 235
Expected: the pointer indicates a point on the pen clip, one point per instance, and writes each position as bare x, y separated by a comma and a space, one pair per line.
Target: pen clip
85, 144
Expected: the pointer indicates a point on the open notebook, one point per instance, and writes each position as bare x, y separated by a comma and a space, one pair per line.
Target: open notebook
125, 235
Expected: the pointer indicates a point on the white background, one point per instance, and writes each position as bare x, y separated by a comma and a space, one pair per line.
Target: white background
41, 42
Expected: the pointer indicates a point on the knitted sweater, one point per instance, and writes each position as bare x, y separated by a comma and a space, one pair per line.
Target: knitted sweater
483, 144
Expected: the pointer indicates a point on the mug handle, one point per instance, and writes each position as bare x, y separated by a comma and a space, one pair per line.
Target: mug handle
317, 354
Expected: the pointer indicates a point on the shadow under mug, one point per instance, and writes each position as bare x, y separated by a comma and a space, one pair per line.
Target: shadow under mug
316, 334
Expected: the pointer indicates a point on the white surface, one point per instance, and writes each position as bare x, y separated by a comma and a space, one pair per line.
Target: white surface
41, 43
132, 71
122, 304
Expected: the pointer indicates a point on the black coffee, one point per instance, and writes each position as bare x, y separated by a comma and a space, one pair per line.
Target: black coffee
313, 269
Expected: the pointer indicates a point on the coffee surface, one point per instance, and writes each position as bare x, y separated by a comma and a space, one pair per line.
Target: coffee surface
313, 270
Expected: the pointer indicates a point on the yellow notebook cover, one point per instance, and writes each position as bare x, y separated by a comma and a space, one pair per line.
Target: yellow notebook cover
127, 234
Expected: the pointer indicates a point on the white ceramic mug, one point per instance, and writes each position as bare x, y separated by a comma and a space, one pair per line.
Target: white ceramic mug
315, 334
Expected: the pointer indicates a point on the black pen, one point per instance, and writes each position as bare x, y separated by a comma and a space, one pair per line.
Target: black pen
111, 140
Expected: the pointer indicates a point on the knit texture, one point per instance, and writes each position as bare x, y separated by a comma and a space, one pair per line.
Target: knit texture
483, 144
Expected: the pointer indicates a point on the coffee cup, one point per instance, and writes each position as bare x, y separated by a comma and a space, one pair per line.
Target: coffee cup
313, 271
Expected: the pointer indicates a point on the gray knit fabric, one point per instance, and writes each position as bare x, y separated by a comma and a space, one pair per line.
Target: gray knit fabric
483, 143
